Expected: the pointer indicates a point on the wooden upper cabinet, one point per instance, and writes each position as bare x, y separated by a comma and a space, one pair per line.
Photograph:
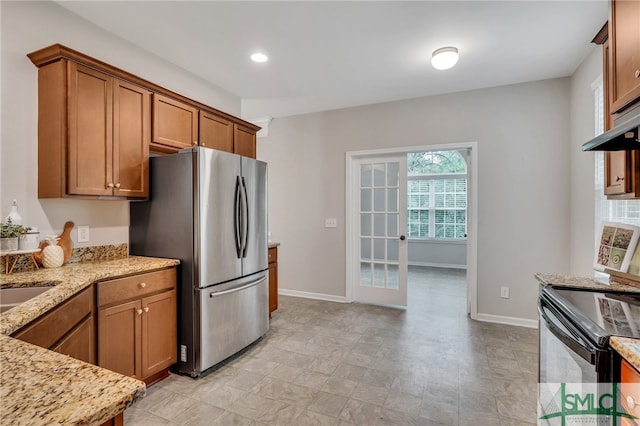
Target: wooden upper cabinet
624, 53
175, 124
93, 133
216, 132
90, 145
131, 127
244, 141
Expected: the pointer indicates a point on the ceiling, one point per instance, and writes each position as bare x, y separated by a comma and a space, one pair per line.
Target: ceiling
326, 55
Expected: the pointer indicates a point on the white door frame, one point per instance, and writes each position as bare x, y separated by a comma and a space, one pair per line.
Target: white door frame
472, 214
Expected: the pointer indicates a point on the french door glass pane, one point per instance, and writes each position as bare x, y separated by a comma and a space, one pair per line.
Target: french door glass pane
365, 248
378, 200
365, 175
392, 250
393, 174
378, 175
392, 200
365, 224
392, 225
378, 275
378, 249
365, 200
378, 225
365, 274
392, 276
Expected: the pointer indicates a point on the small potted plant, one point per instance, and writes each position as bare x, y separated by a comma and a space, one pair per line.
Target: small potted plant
9, 234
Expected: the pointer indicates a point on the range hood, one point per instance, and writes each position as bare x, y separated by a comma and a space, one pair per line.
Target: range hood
623, 137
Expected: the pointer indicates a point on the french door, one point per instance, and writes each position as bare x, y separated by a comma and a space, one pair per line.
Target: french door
379, 233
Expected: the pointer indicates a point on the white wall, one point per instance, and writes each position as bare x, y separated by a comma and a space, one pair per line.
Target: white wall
582, 192
523, 177
29, 26
445, 254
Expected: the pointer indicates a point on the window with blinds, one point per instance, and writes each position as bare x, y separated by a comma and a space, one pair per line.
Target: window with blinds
437, 195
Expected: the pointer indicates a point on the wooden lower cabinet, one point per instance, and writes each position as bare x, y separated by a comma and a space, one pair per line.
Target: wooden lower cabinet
68, 329
137, 325
273, 279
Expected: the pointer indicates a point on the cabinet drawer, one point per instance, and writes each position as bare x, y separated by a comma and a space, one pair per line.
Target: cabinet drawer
273, 255
135, 286
51, 327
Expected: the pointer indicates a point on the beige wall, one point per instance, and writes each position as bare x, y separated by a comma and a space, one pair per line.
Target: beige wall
523, 176
582, 192
28, 26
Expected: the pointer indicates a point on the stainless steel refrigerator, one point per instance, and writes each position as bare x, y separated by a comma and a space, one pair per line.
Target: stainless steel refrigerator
208, 208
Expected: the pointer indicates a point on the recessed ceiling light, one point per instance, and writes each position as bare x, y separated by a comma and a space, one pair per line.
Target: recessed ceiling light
444, 58
259, 57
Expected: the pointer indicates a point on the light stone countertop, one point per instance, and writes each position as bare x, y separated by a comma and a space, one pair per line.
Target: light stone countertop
572, 281
66, 281
42, 387
628, 348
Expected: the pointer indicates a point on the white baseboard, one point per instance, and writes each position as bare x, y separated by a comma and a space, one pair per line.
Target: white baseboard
499, 319
309, 295
438, 265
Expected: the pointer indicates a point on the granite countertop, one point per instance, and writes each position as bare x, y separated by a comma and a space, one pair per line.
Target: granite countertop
571, 281
628, 348
42, 387
66, 281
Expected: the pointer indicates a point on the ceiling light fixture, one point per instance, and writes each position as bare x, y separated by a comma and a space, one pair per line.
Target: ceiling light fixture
444, 58
259, 57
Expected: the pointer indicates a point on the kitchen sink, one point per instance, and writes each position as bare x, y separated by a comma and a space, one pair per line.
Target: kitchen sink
13, 296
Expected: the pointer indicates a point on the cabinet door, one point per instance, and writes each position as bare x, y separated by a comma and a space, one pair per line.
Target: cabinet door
273, 287
216, 132
80, 343
625, 52
89, 149
244, 141
119, 338
175, 124
131, 129
617, 169
159, 332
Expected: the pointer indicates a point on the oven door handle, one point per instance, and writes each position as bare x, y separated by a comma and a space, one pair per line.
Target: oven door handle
586, 352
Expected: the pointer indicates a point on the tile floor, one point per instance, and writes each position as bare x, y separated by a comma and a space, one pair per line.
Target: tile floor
325, 363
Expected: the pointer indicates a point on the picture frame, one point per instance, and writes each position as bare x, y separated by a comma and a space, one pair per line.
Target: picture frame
616, 246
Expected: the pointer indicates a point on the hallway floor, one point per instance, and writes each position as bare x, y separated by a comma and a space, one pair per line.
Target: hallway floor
326, 363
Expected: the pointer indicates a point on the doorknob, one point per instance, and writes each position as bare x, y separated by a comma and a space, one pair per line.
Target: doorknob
402, 238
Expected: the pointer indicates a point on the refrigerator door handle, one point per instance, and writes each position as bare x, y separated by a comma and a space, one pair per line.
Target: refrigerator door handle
236, 218
245, 239
236, 289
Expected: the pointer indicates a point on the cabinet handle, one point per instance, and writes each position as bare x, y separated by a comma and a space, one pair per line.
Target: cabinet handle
637, 73
142, 285
110, 185
139, 311
117, 185
618, 178
195, 143
146, 309
630, 402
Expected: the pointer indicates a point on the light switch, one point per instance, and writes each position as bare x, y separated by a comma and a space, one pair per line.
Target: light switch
331, 222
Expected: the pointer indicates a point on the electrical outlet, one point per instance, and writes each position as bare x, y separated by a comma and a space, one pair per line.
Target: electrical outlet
83, 234
331, 222
504, 292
